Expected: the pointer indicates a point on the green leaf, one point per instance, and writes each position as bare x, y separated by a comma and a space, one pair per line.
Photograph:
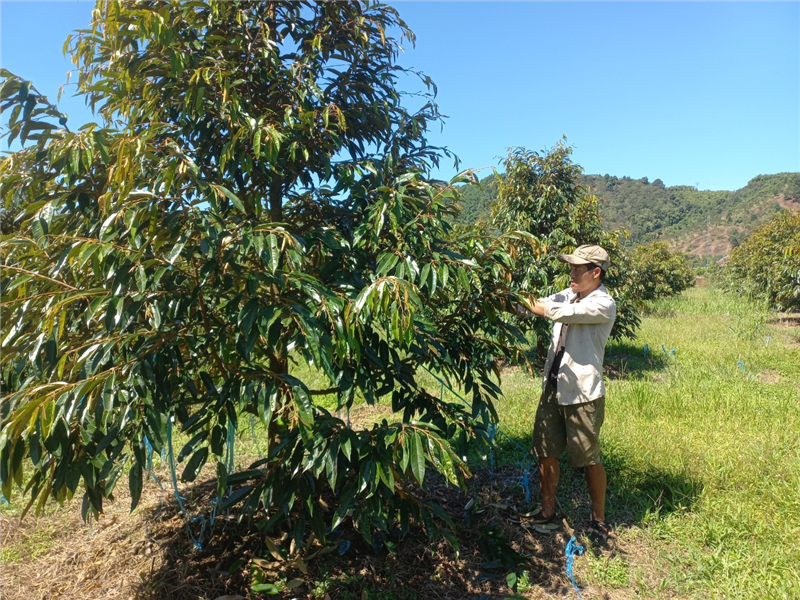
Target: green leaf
175, 252
417, 458
405, 453
135, 484
192, 469
423, 278
274, 253
141, 279
233, 198
386, 263
304, 410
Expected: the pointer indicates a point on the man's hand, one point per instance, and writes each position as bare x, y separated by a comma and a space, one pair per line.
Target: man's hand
532, 305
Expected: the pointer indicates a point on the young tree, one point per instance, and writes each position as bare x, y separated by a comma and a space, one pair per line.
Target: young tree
540, 194
255, 198
766, 266
657, 272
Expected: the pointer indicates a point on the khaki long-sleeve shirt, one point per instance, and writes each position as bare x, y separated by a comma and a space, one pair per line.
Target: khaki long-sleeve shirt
580, 376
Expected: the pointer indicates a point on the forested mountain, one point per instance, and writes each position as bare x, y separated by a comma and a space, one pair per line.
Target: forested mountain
699, 222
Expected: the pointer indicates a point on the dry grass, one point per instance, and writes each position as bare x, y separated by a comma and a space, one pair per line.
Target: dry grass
105, 560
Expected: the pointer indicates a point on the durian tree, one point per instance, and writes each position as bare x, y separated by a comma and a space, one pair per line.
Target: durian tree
251, 214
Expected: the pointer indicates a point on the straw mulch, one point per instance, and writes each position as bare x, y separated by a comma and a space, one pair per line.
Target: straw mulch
149, 554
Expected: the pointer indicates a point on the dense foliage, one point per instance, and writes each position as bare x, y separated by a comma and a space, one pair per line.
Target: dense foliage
657, 272
766, 266
541, 194
255, 198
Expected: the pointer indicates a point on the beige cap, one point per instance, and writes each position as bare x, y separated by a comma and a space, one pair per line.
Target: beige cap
586, 254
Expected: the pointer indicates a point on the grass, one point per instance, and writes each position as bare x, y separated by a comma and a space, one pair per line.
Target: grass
702, 446
726, 418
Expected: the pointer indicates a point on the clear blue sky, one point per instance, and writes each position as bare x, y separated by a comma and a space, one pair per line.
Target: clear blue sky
693, 93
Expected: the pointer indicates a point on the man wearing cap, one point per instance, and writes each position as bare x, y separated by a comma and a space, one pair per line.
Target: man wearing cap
571, 407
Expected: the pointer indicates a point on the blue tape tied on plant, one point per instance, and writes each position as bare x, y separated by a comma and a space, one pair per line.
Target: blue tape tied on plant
571, 550
524, 480
198, 540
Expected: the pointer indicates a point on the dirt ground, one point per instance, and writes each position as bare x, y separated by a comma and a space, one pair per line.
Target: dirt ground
149, 554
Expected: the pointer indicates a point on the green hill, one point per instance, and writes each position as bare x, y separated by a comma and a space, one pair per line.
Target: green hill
700, 222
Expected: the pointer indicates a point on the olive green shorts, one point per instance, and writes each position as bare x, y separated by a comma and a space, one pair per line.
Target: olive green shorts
574, 427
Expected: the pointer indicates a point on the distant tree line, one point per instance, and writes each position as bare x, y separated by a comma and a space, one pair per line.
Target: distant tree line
650, 210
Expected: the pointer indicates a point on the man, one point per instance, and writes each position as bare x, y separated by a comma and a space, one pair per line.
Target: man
571, 407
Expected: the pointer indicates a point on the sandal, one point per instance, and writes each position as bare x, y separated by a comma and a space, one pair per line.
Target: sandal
544, 524
598, 531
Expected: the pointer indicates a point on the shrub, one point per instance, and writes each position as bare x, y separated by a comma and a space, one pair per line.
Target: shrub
766, 265
657, 272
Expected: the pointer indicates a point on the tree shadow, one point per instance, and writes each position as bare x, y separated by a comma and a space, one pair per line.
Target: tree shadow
624, 359
493, 531
638, 497
493, 535
634, 497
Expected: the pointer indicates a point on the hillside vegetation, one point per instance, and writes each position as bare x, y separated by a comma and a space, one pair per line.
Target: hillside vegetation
700, 222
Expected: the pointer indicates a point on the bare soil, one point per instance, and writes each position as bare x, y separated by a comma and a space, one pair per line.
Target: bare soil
788, 203
715, 241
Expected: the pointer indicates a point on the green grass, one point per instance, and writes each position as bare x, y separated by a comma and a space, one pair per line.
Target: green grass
37, 543
702, 447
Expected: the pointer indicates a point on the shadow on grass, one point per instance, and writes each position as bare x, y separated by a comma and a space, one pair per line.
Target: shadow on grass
624, 359
634, 497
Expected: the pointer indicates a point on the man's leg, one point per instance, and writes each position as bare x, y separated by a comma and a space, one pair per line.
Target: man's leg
596, 482
549, 441
548, 477
583, 422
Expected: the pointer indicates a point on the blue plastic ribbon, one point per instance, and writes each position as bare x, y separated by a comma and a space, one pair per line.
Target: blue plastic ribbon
198, 541
571, 550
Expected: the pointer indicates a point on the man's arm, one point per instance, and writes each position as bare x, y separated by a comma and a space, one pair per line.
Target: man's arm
531, 305
593, 309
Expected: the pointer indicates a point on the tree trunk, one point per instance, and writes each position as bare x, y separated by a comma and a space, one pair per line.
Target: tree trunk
276, 203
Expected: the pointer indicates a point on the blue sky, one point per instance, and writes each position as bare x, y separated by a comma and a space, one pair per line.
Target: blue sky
693, 93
